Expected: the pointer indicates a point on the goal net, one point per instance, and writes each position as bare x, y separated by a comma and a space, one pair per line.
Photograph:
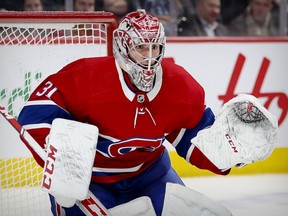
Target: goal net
34, 45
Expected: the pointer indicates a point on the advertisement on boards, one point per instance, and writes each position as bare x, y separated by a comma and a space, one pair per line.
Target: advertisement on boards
223, 68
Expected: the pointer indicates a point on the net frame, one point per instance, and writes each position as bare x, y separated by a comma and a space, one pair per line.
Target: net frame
54, 17
24, 174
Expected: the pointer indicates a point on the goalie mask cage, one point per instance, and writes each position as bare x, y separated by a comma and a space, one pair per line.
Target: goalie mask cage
34, 45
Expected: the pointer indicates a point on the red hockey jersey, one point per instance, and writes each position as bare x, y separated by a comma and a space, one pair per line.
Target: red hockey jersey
132, 124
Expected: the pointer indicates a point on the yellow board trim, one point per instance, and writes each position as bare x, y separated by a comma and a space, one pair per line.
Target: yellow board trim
276, 163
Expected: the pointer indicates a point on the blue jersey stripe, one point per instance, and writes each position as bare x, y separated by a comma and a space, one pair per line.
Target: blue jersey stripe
37, 114
207, 120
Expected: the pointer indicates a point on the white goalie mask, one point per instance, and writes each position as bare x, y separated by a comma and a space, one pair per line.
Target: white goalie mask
138, 47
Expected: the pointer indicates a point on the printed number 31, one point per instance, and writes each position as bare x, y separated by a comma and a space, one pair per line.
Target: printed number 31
45, 89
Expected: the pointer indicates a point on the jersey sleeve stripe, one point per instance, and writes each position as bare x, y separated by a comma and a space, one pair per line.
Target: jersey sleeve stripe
39, 114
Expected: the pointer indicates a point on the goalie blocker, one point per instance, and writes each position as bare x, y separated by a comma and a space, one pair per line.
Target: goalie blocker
70, 155
244, 132
89, 206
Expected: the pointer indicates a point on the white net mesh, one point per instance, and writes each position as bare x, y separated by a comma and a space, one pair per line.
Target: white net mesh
53, 33
31, 48
20, 191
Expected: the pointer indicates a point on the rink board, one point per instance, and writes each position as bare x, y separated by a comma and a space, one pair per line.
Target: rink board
276, 163
223, 67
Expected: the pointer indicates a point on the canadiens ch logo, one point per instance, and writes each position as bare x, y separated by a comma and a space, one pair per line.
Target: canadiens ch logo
129, 145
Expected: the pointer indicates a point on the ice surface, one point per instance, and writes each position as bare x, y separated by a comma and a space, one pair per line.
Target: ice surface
249, 195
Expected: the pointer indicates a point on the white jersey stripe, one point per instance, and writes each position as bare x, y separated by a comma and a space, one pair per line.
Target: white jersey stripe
109, 138
36, 126
128, 93
40, 102
179, 137
43, 102
189, 153
117, 170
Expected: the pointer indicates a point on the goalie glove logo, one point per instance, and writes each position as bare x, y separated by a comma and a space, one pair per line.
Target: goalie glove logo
231, 143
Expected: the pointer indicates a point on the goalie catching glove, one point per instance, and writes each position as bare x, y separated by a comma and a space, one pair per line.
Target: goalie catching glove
243, 132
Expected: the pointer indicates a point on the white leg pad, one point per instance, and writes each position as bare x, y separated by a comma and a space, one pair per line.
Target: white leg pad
180, 200
141, 206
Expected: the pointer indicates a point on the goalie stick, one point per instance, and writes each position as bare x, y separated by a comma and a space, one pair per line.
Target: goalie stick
90, 206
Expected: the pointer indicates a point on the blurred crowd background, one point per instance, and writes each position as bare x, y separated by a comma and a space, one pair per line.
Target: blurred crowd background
183, 17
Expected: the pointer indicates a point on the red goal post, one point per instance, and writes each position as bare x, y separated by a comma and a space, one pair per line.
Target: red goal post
34, 45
